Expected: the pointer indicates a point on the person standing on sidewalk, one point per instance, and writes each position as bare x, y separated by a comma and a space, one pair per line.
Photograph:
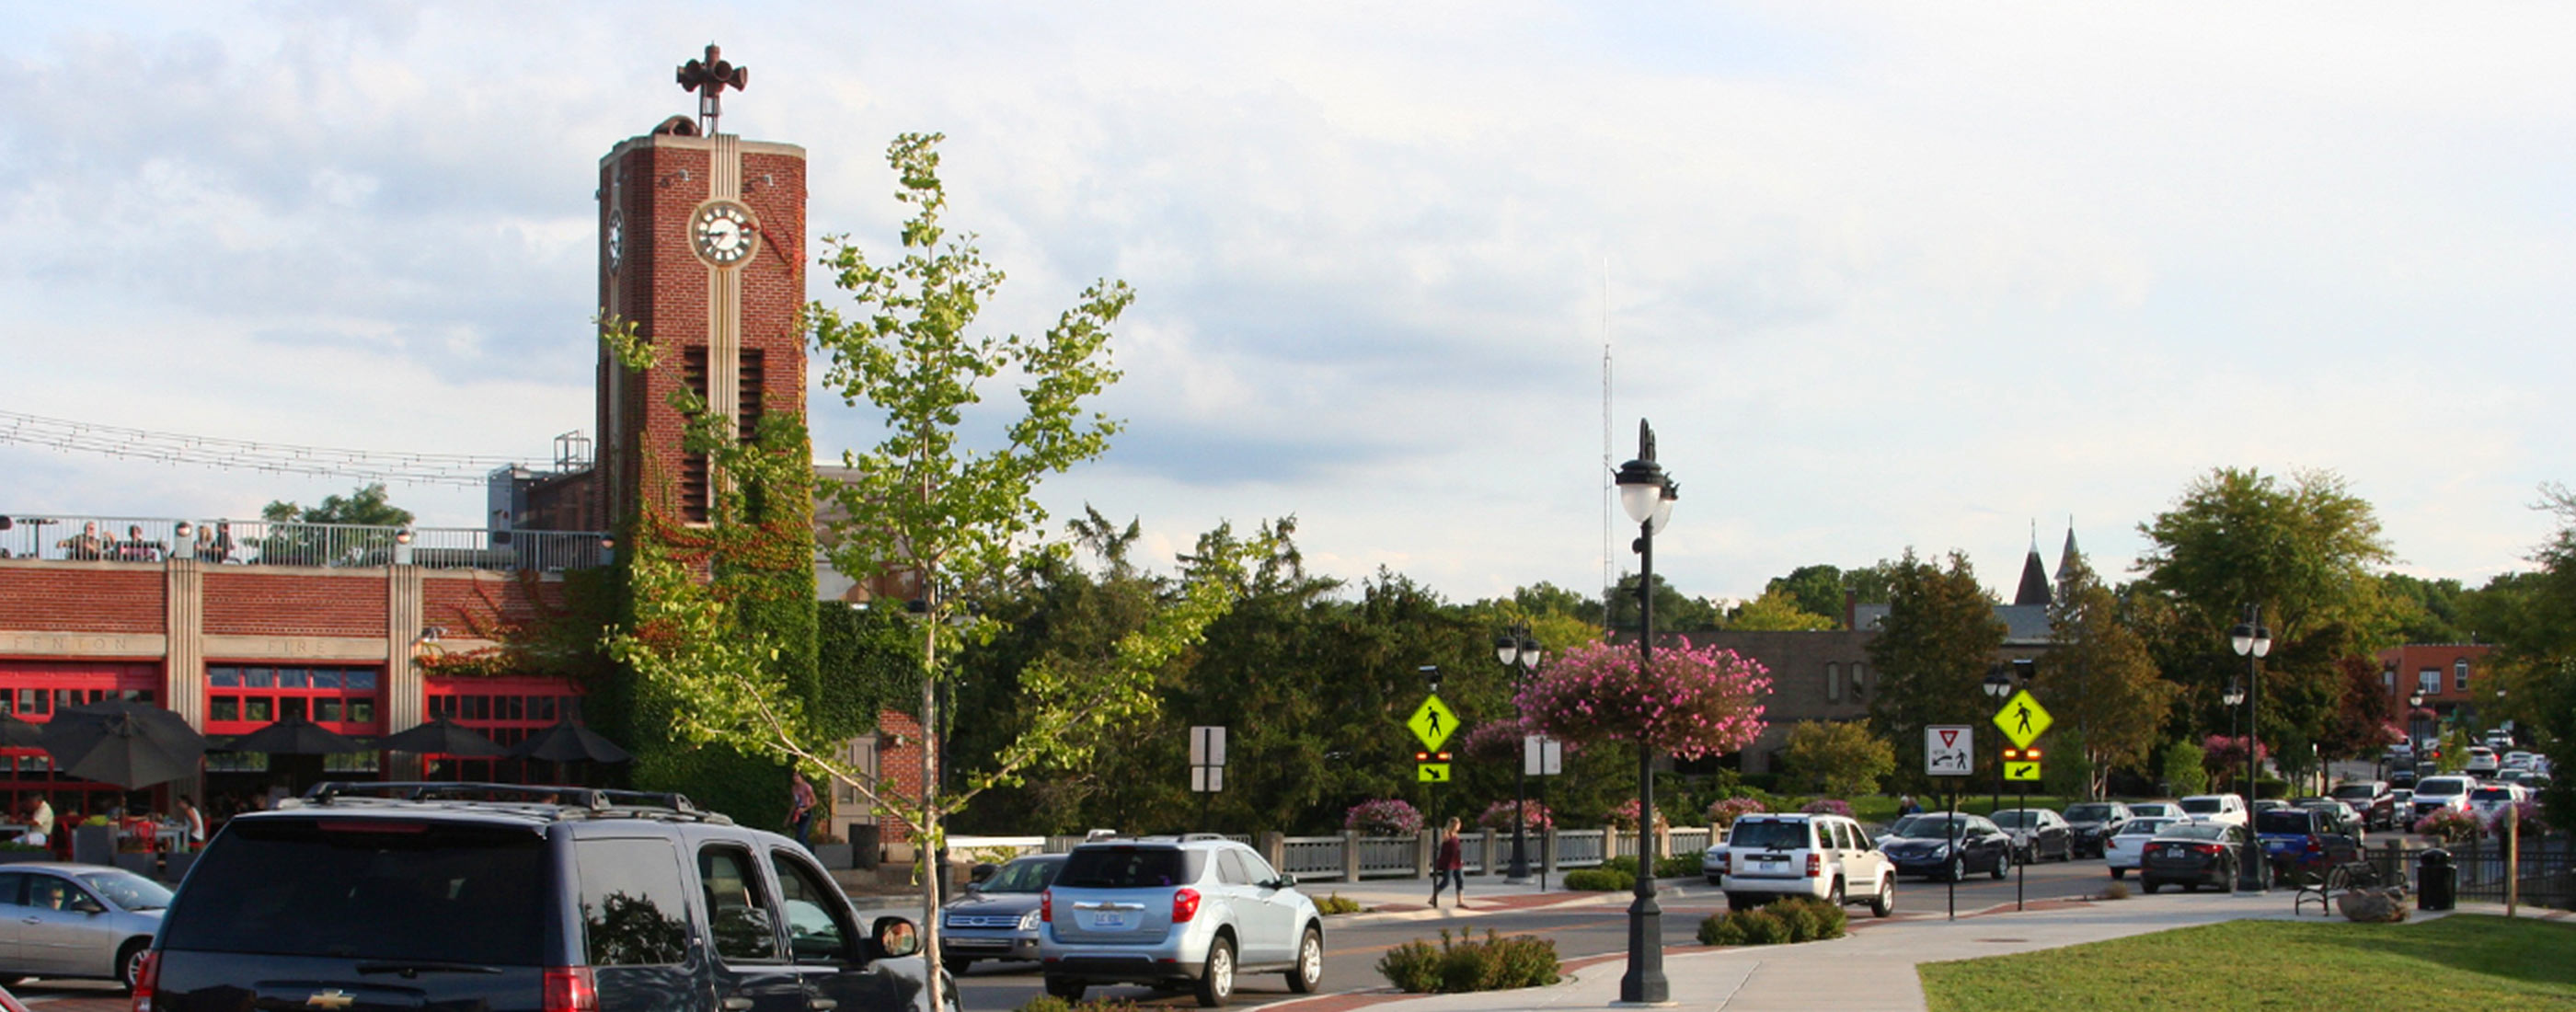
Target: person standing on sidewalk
800, 809
1449, 866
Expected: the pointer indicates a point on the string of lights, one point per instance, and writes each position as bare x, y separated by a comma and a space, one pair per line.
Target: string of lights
69, 436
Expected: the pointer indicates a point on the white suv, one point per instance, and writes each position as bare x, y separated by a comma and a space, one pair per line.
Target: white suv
1828, 857
2226, 808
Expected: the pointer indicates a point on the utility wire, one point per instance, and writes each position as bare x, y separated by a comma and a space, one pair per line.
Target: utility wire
460, 469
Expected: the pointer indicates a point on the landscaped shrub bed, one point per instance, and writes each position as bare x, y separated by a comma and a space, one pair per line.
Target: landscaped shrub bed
1494, 964
1795, 919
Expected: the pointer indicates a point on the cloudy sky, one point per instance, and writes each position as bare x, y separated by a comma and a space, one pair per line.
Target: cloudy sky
1882, 275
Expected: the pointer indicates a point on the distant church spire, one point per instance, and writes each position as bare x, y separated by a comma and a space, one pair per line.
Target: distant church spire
2034, 574
2070, 558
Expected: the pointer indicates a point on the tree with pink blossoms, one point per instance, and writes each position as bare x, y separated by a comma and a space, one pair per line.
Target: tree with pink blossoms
1697, 701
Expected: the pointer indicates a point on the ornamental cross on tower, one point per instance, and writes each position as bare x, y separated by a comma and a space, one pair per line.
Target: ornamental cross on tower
709, 78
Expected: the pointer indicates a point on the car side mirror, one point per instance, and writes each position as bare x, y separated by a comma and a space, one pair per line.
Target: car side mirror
1284, 881
895, 936
87, 905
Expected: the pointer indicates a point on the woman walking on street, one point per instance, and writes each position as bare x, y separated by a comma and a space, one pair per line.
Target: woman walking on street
1449, 867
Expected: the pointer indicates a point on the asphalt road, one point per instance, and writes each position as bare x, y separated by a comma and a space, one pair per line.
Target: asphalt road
1352, 945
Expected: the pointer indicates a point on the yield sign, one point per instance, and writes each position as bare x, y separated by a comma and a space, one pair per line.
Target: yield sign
1949, 750
1433, 722
2022, 719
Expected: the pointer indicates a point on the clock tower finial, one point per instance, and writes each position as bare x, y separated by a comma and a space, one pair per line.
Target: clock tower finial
709, 78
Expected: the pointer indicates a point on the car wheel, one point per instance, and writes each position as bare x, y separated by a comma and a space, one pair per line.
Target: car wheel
1739, 903
1834, 894
1216, 977
2151, 885
129, 961
1308, 974
1958, 868
956, 965
2119, 873
2003, 864
1885, 903
1067, 989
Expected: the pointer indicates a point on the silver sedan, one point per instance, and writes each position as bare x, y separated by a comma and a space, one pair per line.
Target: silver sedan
76, 920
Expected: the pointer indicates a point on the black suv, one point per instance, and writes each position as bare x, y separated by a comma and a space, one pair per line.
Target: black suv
505, 898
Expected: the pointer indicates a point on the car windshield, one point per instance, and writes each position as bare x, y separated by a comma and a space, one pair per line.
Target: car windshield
2088, 812
2017, 818
2143, 827
127, 890
1026, 875
2285, 820
1129, 867
1928, 826
2201, 806
2441, 786
2195, 831
1768, 834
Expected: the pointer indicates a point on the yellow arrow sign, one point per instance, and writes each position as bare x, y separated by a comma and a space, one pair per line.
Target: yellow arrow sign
2022, 719
2021, 771
1431, 773
1433, 722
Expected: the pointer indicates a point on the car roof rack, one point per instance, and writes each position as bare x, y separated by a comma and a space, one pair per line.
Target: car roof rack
592, 801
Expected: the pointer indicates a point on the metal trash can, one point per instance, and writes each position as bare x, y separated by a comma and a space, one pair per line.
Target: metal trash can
864, 845
2437, 880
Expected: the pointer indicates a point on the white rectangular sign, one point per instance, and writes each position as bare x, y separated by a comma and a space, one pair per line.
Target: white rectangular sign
1207, 745
1542, 756
1949, 750
1207, 779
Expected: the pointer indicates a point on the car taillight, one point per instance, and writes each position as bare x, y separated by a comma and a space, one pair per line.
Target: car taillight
570, 989
147, 979
2209, 848
1185, 905
1046, 906
1815, 864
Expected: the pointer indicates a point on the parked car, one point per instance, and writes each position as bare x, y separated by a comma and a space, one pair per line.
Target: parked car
1922, 844
2262, 805
77, 920
2226, 808
1194, 910
2092, 823
2482, 760
437, 896
2124, 848
2402, 777
2486, 800
2192, 854
2401, 805
2156, 809
1828, 857
998, 917
2293, 839
2371, 798
2432, 793
2037, 833
2518, 760
2338, 819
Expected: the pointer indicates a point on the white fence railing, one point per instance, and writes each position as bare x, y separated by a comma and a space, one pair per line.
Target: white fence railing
1348, 856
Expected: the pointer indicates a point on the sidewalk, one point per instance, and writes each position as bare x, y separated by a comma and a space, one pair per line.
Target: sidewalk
1872, 968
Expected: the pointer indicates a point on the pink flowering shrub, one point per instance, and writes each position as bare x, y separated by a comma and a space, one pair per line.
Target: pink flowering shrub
1725, 812
1828, 806
1383, 817
2526, 811
1498, 817
1696, 702
1625, 816
1494, 741
2449, 825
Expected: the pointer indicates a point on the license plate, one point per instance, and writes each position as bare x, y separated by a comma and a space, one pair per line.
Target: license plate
1109, 921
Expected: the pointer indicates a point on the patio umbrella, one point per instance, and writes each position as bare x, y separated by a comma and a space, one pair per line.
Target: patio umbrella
443, 737
569, 742
127, 744
15, 733
297, 736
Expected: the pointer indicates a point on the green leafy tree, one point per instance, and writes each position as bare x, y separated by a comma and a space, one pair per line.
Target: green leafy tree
2099, 679
369, 505
1674, 610
1775, 612
2427, 611
1816, 589
1932, 652
2533, 616
2185, 770
1837, 758
2303, 551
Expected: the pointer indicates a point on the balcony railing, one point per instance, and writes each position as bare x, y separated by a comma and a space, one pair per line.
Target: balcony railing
268, 543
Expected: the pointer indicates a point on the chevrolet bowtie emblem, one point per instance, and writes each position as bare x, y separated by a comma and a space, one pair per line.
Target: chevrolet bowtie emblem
331, 999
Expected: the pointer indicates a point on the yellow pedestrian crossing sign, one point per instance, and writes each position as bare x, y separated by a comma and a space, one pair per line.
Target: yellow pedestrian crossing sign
1431, 773
2022, 719
2021, 770
1433, 722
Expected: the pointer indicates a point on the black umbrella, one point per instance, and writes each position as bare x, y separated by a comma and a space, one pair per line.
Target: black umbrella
15, 733
127, 744
443, 737
297, 736
569, 742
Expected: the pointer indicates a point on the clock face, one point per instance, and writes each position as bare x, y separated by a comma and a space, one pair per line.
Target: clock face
616, 239
721, 232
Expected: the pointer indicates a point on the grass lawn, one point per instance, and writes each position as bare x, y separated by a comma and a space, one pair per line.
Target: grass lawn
2463, 961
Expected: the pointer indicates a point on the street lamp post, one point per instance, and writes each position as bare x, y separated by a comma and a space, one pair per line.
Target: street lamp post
1647, 494
2251, 641
2234, 697
1519, 652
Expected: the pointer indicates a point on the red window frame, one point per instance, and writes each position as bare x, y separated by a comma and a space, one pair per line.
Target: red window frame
244, 696
506, 709
33, 690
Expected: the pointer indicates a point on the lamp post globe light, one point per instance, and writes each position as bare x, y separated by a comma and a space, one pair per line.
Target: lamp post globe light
2251, 641
1647, 494
2235, 697
1519, 652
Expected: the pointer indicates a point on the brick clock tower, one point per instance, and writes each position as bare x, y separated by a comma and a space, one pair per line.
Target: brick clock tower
702, 247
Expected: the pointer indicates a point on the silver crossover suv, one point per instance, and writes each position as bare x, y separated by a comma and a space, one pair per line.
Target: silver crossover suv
1190, 911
